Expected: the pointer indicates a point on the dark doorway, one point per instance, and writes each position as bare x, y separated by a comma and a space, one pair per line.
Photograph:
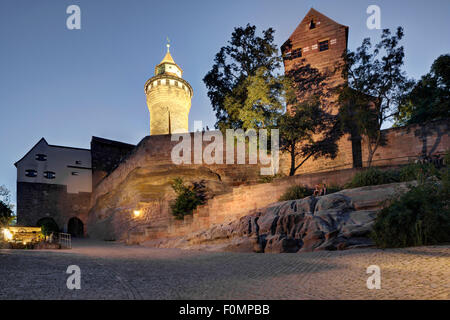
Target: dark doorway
48, 225
75, 227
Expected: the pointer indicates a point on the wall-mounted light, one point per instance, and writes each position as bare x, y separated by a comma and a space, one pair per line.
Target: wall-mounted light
137, 213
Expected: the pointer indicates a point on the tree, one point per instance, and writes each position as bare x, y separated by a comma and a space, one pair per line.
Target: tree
430, 97
375, 88
6, 208
308, 129
242, 85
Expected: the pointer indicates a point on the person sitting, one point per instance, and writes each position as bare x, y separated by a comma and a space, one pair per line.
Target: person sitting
323, 191
317, 191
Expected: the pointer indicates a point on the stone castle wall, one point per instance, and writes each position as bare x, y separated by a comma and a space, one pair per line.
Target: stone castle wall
40, 200
142, 182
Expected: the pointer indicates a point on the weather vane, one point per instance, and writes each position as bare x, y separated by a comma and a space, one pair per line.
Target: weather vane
168, 43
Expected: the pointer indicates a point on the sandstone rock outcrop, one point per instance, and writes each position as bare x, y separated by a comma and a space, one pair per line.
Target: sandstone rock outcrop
331, 222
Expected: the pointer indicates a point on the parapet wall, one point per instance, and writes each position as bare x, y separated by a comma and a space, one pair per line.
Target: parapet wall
403, 145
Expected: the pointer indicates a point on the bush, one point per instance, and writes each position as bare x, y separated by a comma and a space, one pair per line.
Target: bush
188, 197
373, 176
418, 171
333, 189
412, 171
419, 217
48, 226
269, 178
296, 192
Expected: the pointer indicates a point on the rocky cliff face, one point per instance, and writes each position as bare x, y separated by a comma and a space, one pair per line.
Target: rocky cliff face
332, 222
148, 190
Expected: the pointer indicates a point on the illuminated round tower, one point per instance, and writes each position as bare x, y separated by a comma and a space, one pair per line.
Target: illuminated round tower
168, 98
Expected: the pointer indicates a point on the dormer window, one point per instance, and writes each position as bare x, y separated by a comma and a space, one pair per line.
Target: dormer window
41, 157
312, 24
31, 173
49, 175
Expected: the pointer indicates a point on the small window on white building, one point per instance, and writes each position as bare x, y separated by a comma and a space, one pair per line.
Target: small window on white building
78, 162
31, 173
49, 175
74, 173
41, 157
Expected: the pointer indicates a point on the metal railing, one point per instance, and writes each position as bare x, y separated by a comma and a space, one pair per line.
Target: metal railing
65, 240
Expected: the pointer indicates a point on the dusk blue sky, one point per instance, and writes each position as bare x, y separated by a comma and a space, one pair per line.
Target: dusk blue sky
69, 85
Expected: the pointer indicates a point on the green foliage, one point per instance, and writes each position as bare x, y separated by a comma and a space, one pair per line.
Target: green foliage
48, 226
333, 189
299, 133
242, 85
296, 192
419, 217
6, 214
419, 172
6, 208
269, 178
412, 171
188, 197
373, 176
376, 87
430, 97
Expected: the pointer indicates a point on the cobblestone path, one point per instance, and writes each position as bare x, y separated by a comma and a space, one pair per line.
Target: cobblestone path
116, 271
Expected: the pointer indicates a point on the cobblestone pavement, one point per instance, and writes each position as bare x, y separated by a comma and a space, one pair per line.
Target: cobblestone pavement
115, 271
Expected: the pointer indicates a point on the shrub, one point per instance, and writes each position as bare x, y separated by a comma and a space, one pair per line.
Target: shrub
419, 217
269, 178
418, 171
333, 189
373, 176
188, 197
296, 192
48, 226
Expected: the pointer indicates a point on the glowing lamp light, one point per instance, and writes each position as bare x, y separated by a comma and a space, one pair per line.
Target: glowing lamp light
8, 235
137, 213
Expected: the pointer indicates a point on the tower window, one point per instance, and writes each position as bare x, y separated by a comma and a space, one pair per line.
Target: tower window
176, 83
312, 24
49, 175
287, 56
41, 157
159, 82
297, 53
323, 45
31, 173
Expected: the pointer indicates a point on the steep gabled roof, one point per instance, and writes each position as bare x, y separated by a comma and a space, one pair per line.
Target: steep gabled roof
317, 14
42, 139
49, 145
